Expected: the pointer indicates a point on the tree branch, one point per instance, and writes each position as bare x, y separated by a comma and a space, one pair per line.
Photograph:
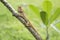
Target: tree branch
22, 19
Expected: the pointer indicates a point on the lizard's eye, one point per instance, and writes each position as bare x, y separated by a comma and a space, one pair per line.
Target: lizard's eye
20, 9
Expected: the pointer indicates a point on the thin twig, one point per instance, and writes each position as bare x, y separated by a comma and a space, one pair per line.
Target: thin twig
22, 19
47, 35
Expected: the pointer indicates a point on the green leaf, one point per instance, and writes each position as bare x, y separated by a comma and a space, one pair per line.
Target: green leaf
44, 17
34, 9
55, 15
47, 6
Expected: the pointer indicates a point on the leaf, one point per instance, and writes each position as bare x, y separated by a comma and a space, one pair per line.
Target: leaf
47, 6
44, 17
55, 15
34, 9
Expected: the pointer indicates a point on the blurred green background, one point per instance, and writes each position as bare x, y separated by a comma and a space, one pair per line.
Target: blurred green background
12, 29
